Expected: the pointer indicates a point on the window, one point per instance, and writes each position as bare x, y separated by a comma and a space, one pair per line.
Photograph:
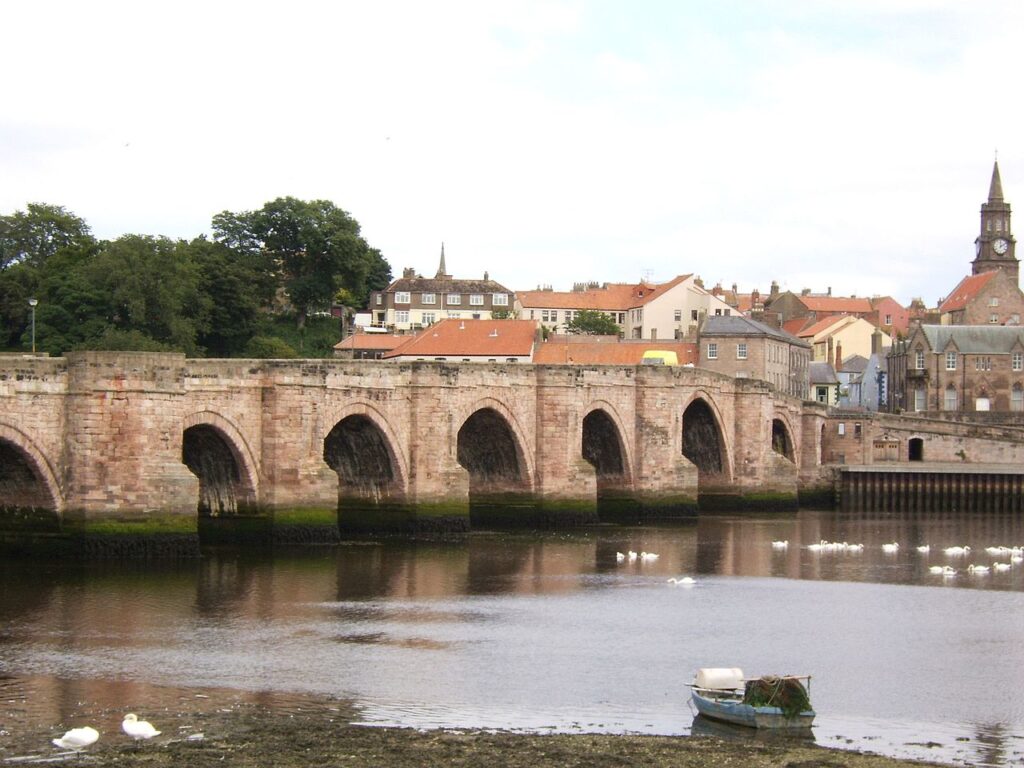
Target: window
712, 351
693, 315
993, 319
949, 403
919, 360
951, 361
1017, 398
888, 320
476, 300
402, 297
821, 394
402, 316
983, 363
429, 298
379, 298
919, 399
718, 312
842, 429
429, 318
454, 315
678, 315
499, 300
1015, 319
1017, 361
856, 429
994, 301
741, 351
454, 298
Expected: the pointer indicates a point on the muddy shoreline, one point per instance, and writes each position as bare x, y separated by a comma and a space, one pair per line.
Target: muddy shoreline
252, 735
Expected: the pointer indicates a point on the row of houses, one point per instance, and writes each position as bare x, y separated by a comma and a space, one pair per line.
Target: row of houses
850, 351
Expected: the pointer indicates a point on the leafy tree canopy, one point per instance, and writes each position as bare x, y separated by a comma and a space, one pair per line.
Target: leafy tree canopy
306, 249
592, 323
34, 235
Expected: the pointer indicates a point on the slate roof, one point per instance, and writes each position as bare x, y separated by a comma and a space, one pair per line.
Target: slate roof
470, 338
966, 291
975, 339
854, 364
822, 373
737, 325
445, 285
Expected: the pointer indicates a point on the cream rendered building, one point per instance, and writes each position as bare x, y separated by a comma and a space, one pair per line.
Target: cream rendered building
844, 335
671, 310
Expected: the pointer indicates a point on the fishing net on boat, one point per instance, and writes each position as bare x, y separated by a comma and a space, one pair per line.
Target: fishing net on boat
786, 693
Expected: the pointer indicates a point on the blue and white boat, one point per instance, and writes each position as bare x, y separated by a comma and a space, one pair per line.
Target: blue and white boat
719, 693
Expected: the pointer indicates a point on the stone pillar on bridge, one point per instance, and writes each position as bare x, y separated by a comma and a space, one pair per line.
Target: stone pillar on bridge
665, 480
566, 483
299, 491
122, 450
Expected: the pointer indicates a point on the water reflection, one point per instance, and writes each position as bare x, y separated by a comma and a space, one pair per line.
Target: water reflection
550, 631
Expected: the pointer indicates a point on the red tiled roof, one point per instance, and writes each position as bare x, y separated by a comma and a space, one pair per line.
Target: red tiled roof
470, 338
821, 325
371, 341
616, 352
616, 297
796, 325
966, 291
836, 305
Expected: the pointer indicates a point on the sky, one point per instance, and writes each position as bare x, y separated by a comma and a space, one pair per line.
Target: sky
843, 144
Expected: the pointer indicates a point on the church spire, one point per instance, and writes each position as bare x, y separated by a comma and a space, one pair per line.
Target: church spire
442, 271
995, 190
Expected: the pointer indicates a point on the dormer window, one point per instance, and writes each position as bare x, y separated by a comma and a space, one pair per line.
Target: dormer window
951, 361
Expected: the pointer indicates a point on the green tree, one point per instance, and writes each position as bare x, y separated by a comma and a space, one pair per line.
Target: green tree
32, 236
152, 286
230, 298
592, 323
308, 249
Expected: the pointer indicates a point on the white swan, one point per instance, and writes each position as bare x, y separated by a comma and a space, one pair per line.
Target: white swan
1017, 559
77, 738
936, 569
780, 544
138, 729
684, 581
648, 556
997, 551
854, 548
619, 557
948, 572
924, 549
891, 549
632, 555
957, 551
1001, 567
979, 569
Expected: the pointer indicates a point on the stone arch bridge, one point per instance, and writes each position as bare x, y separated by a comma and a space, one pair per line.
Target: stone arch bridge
97, 438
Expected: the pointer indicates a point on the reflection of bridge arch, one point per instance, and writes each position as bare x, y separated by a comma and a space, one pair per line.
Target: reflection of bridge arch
216, 452
27, 478
703, 439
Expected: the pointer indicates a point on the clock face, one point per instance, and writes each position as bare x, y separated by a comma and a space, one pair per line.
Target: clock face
1000, 246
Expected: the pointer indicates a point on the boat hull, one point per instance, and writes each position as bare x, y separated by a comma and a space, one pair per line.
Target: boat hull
733, 710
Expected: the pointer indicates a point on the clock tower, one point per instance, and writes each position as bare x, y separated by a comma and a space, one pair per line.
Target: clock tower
995, 246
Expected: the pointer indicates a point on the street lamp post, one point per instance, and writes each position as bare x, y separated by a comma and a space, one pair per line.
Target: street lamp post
32, 303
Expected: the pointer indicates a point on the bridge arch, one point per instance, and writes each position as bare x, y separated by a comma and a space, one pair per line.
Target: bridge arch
604, 443
782, 438
703, 439
27, 478
516, 444
362, 448
217, 453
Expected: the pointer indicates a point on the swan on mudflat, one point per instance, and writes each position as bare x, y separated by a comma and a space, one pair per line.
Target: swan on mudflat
138, 729
77, 738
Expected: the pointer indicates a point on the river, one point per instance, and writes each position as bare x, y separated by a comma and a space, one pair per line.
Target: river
546, 631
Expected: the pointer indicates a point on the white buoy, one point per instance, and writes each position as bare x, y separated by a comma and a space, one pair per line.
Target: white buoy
138, 729
77, 738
